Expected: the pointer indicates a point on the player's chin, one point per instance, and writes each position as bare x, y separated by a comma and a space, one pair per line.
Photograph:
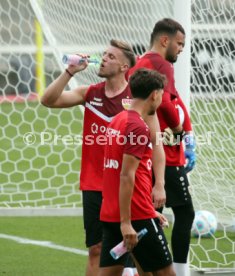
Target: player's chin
173, 59
101, 74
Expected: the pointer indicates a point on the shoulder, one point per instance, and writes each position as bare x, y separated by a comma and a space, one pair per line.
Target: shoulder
162, 63
120, 117
153, 61
136, 124
95, 89
97, 86
142, 62
118, 122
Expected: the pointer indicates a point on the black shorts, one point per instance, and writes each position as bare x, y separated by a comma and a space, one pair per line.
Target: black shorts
151, 252
91, 216
176, 186
92, 201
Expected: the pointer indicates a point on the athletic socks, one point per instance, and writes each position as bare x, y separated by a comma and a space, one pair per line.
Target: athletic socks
130, 271
181, 269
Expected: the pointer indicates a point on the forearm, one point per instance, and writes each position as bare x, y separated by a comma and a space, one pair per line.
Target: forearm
158, 158
125, 195
187, 126
127, 182
158, 191
170, 113
159, 162
55, 89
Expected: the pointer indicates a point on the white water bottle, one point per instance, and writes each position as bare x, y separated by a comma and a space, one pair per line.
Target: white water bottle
117, 251
75, 59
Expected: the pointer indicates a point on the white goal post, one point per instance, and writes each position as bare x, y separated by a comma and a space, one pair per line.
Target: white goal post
40, 150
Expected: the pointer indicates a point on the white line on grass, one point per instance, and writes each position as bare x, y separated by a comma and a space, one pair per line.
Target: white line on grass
44, 244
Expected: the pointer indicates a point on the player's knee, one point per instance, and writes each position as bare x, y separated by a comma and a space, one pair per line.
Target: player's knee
188, 215
183, 219
169, 271
187, 224
94, 251
172, 273
191, 216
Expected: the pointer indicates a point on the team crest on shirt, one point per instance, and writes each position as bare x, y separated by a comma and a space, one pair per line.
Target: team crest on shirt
126, 103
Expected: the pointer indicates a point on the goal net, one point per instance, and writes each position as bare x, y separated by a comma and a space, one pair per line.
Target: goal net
212, 113
40, 148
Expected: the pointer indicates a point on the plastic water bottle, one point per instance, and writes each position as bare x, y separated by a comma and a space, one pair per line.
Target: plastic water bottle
75, 59
117, 251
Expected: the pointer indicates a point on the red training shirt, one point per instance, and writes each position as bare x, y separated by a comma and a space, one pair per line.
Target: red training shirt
99, 111
127, 134
167, 112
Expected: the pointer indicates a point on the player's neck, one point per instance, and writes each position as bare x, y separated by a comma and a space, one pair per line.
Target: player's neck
158, 50
114, 87
139, 106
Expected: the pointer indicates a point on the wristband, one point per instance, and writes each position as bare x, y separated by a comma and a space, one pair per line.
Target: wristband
67, 71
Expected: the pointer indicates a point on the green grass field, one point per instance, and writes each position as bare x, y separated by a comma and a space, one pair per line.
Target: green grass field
47, 175
44, 173
27, 259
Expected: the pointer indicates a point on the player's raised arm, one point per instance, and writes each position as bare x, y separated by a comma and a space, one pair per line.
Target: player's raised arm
56, 96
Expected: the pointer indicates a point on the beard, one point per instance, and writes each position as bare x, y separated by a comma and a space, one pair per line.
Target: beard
170, 56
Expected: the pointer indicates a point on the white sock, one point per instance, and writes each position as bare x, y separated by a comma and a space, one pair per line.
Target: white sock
181, 269
135, 272
128, 271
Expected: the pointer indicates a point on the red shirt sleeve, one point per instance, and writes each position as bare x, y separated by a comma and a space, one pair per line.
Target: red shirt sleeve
88, 91
167, 108
138, 137
167, 69
93, 87
187, 126
168, 111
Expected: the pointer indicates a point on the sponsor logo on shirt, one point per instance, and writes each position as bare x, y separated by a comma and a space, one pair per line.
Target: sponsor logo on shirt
112, 131
95, 128
111, 164
97, 99
96, 102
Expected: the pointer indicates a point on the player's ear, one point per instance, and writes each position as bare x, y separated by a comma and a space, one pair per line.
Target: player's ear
124, 67
154, 95
164, 40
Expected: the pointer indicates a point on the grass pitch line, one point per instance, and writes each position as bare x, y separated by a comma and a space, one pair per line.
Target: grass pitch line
44, 244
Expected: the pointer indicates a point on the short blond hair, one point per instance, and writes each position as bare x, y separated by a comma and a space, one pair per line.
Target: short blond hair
126, 49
